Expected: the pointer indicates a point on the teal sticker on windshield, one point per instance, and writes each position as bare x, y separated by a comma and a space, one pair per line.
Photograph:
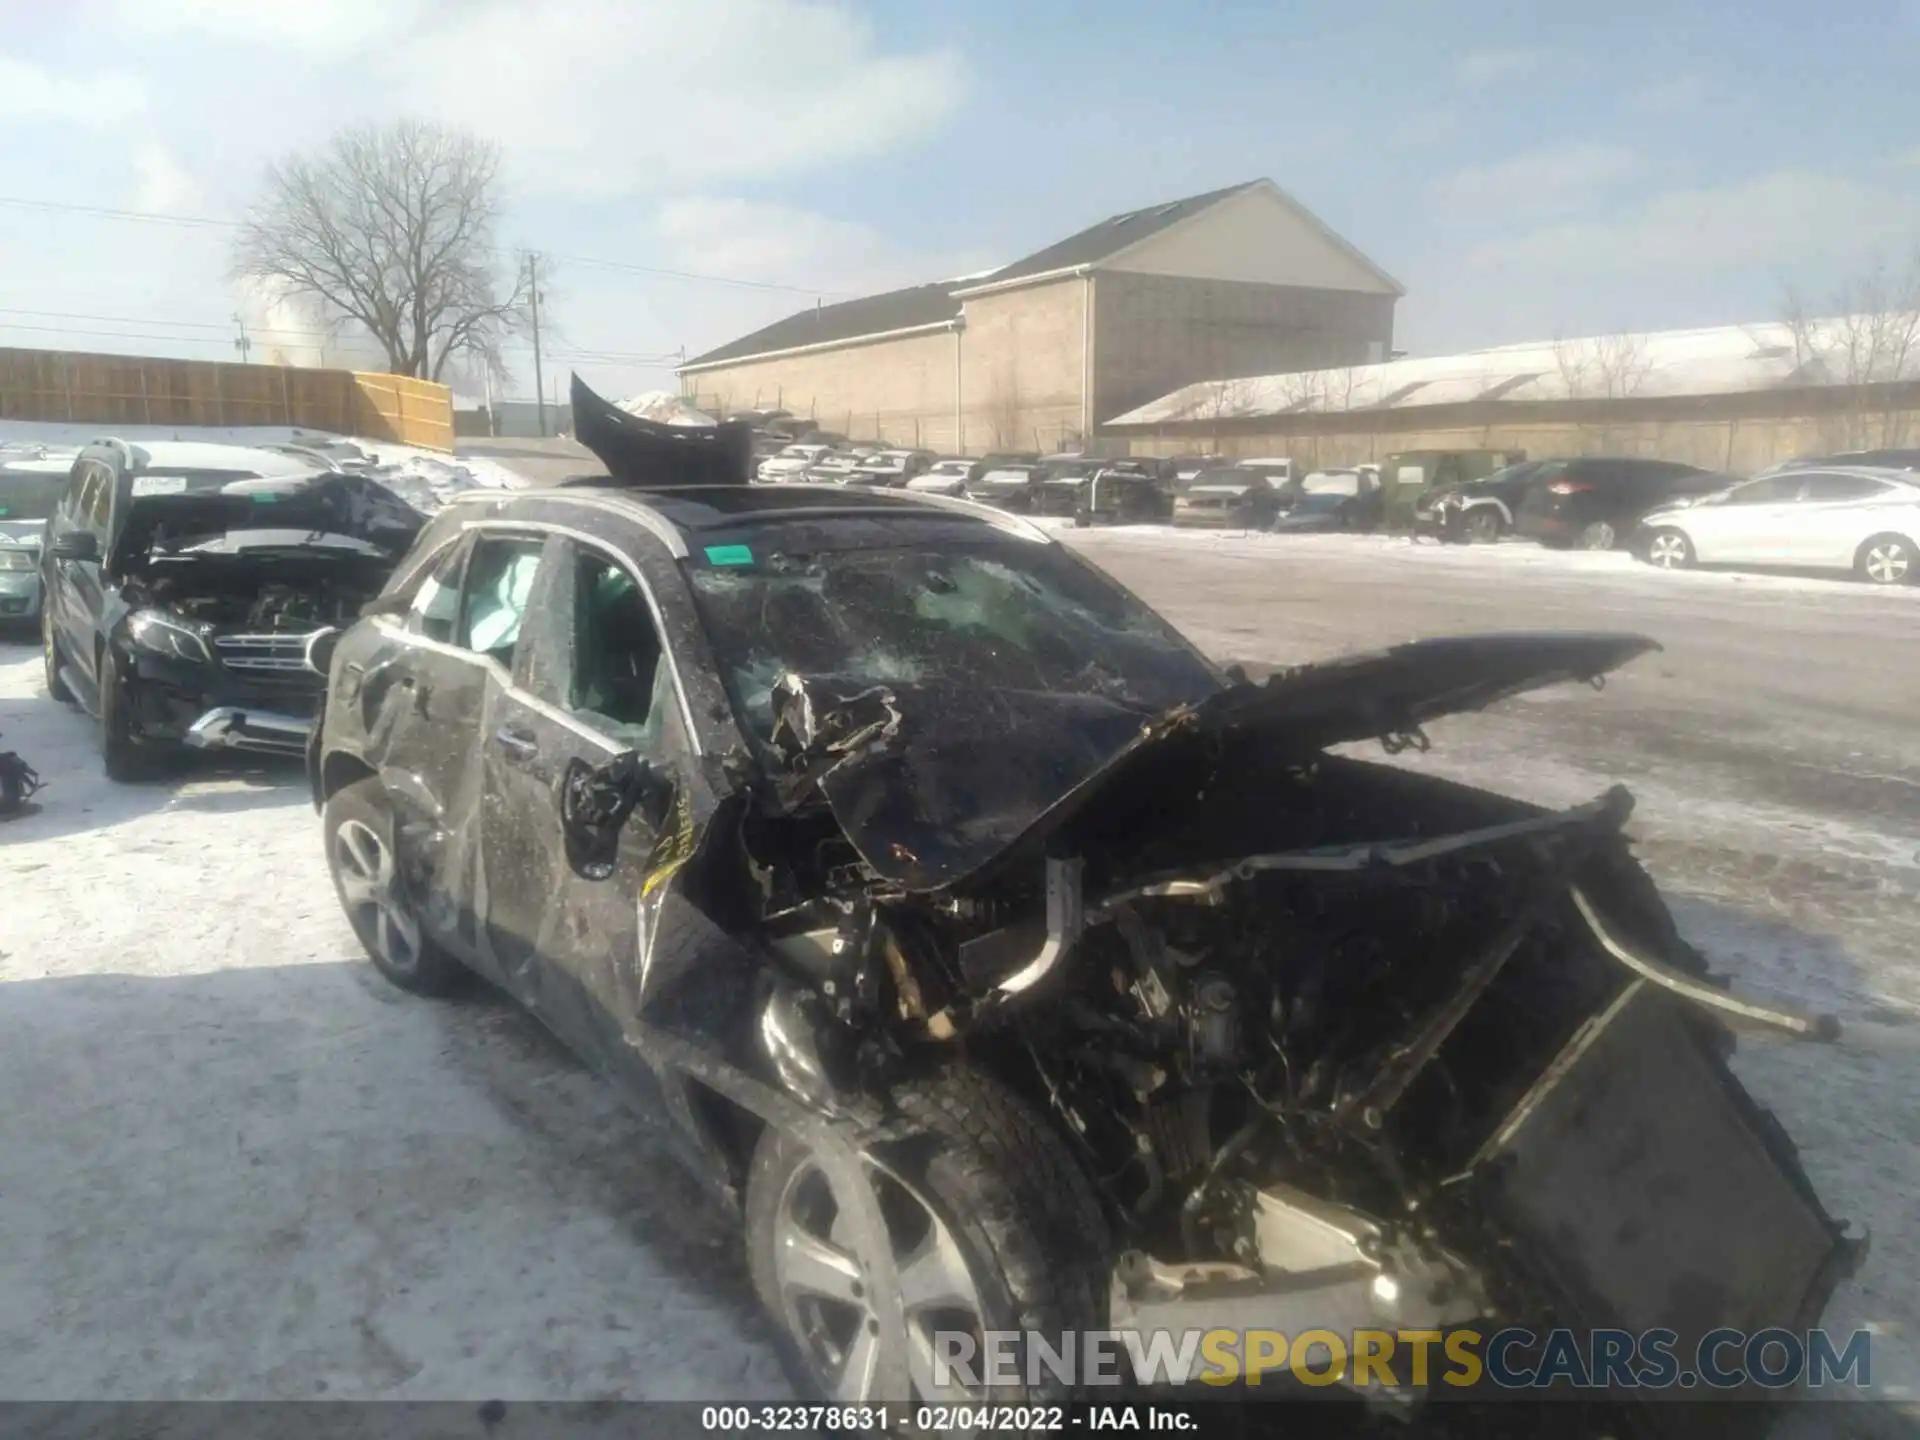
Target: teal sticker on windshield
729, 555
264, 497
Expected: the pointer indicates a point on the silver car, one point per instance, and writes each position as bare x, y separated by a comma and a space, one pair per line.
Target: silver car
29, 488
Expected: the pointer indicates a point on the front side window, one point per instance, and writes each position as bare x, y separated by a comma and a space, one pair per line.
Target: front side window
498, 589
1775, 490
435, 607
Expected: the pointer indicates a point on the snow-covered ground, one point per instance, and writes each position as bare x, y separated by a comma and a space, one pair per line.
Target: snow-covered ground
1511, 559
235, 1165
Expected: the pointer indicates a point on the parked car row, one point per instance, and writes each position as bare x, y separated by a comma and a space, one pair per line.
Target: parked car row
1857, 512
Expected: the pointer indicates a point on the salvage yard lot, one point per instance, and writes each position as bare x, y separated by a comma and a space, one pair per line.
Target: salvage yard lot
235, 1165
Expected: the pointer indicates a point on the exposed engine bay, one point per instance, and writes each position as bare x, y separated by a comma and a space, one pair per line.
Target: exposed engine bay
1338, 1044
276, 598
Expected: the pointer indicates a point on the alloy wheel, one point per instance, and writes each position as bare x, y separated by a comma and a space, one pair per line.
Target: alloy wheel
1887, 562
826, 1294
368, 885
1668, 550
1597, 536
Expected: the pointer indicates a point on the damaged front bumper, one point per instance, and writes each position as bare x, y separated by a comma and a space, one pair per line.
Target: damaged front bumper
230, 727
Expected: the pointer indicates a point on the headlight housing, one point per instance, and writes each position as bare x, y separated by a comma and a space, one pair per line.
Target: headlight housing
18, 560
151, 630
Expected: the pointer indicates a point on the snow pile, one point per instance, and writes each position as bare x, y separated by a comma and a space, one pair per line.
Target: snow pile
425, 479
663, 407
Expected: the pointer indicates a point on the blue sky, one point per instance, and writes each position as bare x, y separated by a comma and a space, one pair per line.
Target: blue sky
1523, 174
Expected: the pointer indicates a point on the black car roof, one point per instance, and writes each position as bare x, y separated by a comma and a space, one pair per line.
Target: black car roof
701, 509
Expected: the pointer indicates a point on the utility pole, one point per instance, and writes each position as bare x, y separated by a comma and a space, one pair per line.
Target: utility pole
533, 292
243, 344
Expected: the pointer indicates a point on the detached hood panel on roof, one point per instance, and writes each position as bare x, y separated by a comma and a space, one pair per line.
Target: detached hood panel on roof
942, 786
647, 455
332, 504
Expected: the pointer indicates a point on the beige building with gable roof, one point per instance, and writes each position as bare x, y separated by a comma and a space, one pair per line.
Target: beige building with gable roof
1037, 354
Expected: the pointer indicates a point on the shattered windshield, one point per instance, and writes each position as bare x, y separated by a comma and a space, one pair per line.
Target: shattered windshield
997, 614
1338, 483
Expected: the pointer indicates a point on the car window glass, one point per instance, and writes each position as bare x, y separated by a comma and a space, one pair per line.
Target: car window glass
436, 603
95, 498
499, 585
1845, 487
618, 680
1773, 490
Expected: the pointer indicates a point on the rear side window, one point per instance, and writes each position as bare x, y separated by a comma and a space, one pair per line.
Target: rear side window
1847, 487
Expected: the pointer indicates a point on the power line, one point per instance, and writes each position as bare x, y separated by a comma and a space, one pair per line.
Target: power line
60, 207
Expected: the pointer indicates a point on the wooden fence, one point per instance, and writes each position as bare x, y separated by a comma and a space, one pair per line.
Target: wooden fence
126, 390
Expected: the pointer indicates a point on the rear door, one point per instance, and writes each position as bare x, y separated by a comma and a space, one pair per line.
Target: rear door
1836, 514
593, 681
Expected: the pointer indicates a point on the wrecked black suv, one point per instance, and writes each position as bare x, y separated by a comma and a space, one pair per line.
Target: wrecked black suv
1008, 967
185, 585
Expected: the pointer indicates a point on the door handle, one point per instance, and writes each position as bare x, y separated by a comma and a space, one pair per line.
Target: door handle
518, 744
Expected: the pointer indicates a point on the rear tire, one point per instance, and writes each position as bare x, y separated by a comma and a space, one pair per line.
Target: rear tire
991, 1223
1597, 536
1482, 525
1888, 560
358, 831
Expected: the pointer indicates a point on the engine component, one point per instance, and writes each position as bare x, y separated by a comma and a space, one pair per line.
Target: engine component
1214, 1023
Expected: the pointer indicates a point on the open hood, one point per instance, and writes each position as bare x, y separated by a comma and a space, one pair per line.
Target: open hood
941, 786
648, 455
331, 504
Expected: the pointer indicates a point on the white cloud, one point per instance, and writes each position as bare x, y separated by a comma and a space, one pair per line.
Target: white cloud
1669, 97
1480, 68
314, 28
1775, 221
31, 94
606, 97
163, 185
755, 241
1538, 183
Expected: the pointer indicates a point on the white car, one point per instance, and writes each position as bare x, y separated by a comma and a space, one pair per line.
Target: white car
832, 468
943, 477
791, 462
1863, 520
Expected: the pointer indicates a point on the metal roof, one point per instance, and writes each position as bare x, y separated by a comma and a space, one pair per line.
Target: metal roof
1727, 360
928, 306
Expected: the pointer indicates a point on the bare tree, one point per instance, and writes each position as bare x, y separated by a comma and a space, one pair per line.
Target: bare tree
392, 228
1217, 401
1607, 367
1869, 343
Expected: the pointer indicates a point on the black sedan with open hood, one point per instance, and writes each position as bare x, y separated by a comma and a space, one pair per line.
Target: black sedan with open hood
1008, 969
182, 609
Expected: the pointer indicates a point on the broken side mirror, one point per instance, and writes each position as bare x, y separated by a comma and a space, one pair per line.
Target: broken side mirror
597, 800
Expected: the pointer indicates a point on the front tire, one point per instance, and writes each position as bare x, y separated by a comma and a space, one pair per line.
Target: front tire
1670, 550
57, 690
358, 830
128, 760
1887, 560
990, 1223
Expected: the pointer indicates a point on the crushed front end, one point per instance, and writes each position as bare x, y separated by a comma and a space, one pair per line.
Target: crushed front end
1341, 1046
